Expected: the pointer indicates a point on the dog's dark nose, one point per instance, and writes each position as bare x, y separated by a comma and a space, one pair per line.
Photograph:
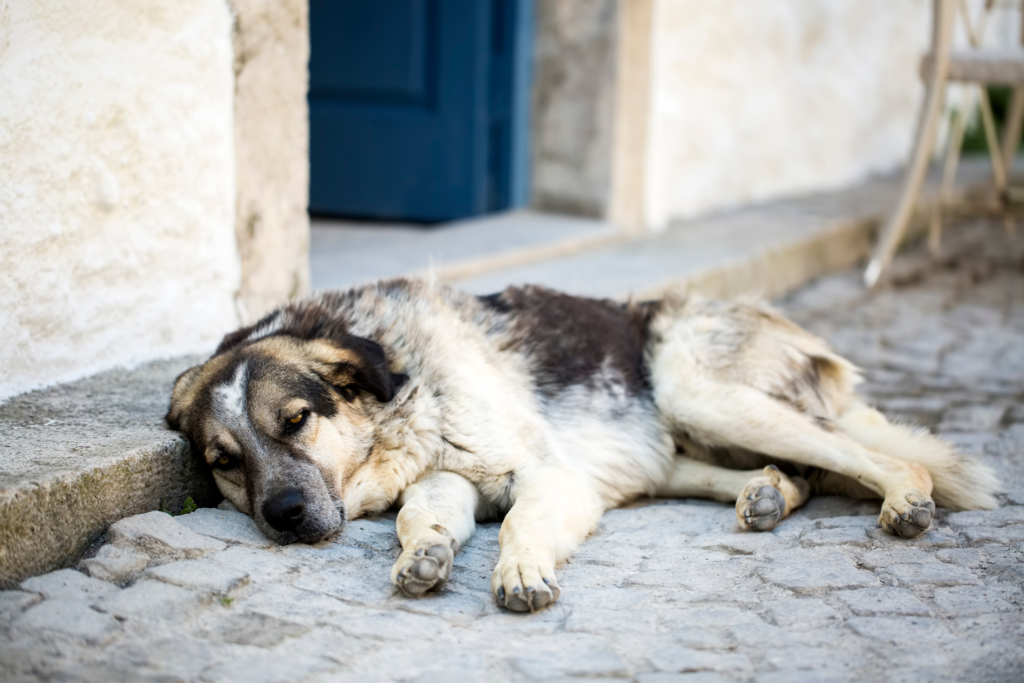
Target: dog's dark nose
285, 511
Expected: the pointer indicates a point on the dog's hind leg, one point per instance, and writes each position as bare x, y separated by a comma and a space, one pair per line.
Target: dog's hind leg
763, 497
733, 415
437, 516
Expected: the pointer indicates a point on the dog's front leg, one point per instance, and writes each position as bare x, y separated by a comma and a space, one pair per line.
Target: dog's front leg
553, 510
437, 517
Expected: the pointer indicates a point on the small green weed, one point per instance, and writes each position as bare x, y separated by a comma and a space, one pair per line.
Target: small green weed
226, 602
189, 506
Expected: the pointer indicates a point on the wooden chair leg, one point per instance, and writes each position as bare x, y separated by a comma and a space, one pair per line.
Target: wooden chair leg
896, 225
928, 124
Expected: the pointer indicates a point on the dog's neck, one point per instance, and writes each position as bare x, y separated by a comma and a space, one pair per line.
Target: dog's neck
407, 439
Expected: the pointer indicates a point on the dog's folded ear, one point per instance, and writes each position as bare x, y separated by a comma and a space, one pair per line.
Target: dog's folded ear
356, 363
180, 396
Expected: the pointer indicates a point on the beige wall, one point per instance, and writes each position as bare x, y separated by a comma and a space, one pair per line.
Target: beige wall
125, 129
271, 42
117, 185
753, 100
573, 100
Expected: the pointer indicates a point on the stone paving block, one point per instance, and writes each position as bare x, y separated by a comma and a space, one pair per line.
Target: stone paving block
933, 538
668, 677
802, 613
178, 650
1002, 535
1011, 514
260, 565
363, 585
289, 603
814, 570
266, 667
333, 553
681, 660
833, 537
602, 621
115, 564
455, 606
202, 575
973, 418
902, 630
110, 673
68, 584
161, 537
389, 625
819, 660
13, 603
225, 525
597, 663
883, 600
376, 534
883, 557
930, 574
153, 601
700, 638
968, 601
71, 618
250, 628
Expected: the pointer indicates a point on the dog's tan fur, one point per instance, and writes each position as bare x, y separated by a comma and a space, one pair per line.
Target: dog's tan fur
549, 409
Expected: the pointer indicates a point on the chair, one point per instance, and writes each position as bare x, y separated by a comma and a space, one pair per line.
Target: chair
942, 65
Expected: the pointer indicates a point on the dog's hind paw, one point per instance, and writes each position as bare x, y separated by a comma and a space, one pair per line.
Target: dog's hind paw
761, 505
521, 585
907, 516
423, 567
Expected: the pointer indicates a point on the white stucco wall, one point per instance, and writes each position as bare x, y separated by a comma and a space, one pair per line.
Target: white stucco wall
752, 100
117, 196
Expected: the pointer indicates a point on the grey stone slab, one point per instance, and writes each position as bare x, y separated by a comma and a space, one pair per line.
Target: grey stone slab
115, 564
68, 584
801, 613
967, 601
602, 663
930, 574
902, 630
251, 628
680, 660
362, 585
203, 575
80, 456
933, 538
153, 601
1011, 514
231, 527
13, 603
873, 559
813, 570
70, 618
1002, 535
855, 536
976, 418
883, 600
289, 604
161, 537
260, 565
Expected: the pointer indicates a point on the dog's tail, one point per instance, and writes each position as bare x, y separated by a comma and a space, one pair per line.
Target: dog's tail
961, 482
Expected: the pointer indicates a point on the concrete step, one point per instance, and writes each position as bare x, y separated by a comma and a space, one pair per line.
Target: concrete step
77, 457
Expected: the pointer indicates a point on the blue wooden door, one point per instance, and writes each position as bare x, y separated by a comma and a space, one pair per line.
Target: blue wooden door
413, 108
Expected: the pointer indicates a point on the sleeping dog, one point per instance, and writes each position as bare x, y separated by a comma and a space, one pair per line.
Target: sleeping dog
546, 409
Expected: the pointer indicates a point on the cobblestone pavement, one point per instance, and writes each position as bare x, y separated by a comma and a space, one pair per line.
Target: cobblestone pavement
663, 591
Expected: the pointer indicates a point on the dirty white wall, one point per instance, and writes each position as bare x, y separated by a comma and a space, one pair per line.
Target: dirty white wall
117, 200
752, 100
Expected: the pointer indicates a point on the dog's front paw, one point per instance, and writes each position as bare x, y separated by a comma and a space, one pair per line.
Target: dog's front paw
761, 505
424, 565
523, 584
908, 515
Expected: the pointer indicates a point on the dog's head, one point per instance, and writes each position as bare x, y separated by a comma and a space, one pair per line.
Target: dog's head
283, 420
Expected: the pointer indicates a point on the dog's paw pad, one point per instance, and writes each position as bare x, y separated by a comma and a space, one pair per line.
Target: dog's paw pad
760, 507
423, 569
908, 517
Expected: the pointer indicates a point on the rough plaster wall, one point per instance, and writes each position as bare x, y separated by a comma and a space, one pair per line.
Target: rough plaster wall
271, 150
752, 100
574, 88
117, 239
